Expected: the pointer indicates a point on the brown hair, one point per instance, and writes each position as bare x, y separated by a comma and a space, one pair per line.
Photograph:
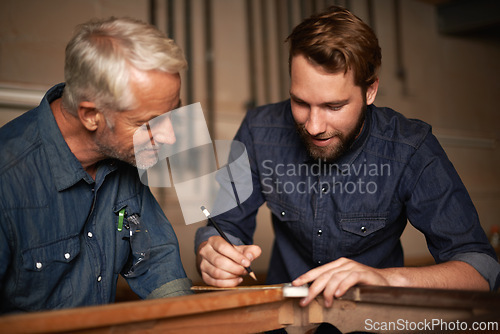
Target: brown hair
337, 41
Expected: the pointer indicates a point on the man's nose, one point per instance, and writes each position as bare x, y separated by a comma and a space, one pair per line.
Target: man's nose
163, 132
315, 124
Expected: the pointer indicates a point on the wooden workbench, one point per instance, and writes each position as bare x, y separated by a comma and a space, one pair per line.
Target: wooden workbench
257, 310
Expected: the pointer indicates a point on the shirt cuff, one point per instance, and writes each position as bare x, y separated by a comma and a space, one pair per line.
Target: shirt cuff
178, 287
487, 266
203, 233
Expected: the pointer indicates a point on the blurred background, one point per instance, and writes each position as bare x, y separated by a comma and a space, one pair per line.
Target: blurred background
440, 64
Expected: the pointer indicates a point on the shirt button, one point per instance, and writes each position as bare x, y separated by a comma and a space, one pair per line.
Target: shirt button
319, 262
282, 213
39, 265
99, 279
320, 232
363, 229
67, 256
323, 190
90, 235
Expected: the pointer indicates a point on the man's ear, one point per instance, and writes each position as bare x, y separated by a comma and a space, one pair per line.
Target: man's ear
89, 115
371, 92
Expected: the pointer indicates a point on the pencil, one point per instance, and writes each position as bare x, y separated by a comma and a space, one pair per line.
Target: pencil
223, 235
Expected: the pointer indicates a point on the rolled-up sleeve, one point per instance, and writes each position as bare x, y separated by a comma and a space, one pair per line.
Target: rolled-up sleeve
488, 267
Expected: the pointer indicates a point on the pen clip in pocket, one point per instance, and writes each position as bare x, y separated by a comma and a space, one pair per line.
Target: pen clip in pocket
140, 245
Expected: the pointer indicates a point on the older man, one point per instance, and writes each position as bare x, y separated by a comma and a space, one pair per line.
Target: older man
74, 214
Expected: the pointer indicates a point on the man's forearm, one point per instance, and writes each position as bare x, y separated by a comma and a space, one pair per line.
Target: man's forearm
448, 275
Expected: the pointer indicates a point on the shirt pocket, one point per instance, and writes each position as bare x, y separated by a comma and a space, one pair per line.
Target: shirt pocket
360, 231
43, 280
122, 243
284, 212
286, 219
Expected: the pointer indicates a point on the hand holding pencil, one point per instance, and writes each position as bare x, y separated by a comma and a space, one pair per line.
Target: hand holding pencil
221, 263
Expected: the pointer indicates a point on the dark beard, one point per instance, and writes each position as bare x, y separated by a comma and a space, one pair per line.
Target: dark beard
329, 154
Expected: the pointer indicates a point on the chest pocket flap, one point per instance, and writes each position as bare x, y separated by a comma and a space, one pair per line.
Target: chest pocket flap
362, 224
283, 212
360, 231
38, 258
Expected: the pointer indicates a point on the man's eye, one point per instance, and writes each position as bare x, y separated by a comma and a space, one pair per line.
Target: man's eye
301, 103
334, 108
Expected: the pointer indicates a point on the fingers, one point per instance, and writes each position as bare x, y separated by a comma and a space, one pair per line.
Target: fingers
251, 252
222, 264
222, 260
317, 287
335, 278
313, 274
222, 281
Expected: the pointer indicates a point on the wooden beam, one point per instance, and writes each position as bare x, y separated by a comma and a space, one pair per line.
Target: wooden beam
259, 309
134, 314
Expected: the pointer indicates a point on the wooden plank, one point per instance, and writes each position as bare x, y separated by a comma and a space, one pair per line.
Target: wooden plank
287, 288
396, 310
250, 319
350, 316
452, 299
86, 318
205, 288
260, 309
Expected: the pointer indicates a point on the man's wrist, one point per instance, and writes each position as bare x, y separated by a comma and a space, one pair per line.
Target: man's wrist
397, 277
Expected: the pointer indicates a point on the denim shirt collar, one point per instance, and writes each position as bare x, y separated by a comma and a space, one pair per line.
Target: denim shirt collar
64, 166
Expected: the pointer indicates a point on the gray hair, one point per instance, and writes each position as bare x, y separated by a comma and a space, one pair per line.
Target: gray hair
99, 57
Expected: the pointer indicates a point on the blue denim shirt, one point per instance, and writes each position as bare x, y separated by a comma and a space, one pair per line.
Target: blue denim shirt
59, 242
358, 206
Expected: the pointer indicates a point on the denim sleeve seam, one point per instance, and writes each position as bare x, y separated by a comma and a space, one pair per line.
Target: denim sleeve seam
32, 147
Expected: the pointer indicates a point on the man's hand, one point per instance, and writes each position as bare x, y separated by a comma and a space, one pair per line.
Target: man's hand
221, 264
336, 277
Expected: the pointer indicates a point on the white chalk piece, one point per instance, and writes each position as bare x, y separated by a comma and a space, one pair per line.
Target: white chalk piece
295, 291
